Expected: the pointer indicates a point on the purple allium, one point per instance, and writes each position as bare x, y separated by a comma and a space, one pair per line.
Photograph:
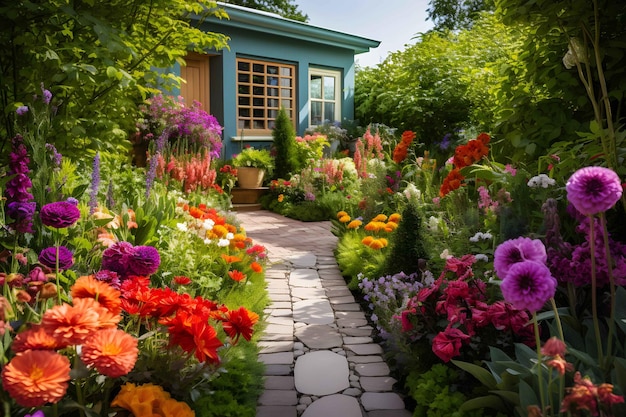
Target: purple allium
48, 257
47, 95
528, 285
110, 277
57, 158
145, 260
593, 190
116, 257
21, 110
59, 214
22, 213
95, 184
518, 250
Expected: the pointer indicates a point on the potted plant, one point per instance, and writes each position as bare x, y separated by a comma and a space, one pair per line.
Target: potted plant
252, 166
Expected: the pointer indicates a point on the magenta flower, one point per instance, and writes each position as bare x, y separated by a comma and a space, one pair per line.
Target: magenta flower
48, 257
528, 285
110, 277
59, 214
518, 250
144, 260
116, 258
593, 190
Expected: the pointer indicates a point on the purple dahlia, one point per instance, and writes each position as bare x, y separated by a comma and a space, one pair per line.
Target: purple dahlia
48, 258
593, 190
59, 214
528, 285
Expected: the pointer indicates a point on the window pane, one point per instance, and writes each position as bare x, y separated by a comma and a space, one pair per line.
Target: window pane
329, 88
285, 82
243, 66
244, 112
258, 68
259, 124
272, 80
272, 102
258, 112
258, 79
271, 124
258, 91
272, 113
315, 86
271, 69
285, 92
316, 113
244, 78
244, 89
285, 71
329, 112
286, 104
258, 102
244, 101
273, 92
243, 124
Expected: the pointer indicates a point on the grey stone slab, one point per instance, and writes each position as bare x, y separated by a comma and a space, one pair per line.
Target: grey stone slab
266, 346
279, 382
313, 312
277, 337
308, 292
303, 260
377, 383
274, 297
366, 349
321, 373
334, 405
387, 413
278, 370
361, 331
372, 369
352, 323
280, 358
350, 315
305, 278
276, 411
338, 292
282, 321
342, 300
319, 336
364, 359
382, 401
278, 397
278, 312
347, 307
280, 304
354, 340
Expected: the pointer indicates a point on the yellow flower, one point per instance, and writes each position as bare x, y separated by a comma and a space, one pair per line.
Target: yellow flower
345, 219
380, 218
280, 198
377, 244
395, 218
390, 227
355, 224
374, 226
367, 240
341, 214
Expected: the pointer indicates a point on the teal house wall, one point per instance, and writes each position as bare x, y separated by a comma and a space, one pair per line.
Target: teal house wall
264, 36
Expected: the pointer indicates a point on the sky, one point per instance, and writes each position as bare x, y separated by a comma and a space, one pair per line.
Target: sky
392, 22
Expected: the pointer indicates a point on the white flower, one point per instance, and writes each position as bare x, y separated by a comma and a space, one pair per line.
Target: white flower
433, 224
445, 254
182, 227
412, 192
222, 243
208, 224
481, 257
207, 241
480, 236
541, 180
230, 236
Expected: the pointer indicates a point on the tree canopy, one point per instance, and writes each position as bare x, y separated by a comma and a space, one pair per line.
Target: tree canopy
456, 14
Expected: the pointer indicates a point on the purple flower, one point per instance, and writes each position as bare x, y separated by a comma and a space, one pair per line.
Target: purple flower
72, 201
36, 275
144, 260
528, 285
48, 258
95, 184
518, 250
593, 190
59, 214
116, 257
22, 213
110, 277
57, 158
22, 110
37, 413
47, 95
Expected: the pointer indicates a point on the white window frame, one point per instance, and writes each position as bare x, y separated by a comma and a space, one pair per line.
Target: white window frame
338, 89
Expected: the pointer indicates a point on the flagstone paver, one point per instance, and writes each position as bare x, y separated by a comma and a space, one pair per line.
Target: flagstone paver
317, 344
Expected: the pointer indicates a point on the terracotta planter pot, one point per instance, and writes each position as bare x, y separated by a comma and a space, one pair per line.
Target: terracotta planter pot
250, 177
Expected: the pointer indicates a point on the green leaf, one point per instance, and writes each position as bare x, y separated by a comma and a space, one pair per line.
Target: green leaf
525, 355
527, 395
488, 401
478, 372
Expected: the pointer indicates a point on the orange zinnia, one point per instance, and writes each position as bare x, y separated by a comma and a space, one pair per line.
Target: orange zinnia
256, 267
240, 323
70, 325
367, 240
113, 352
36, 377
230, 258
354, 224
394, 218
237, 275
377, 244
89, 287
35, 338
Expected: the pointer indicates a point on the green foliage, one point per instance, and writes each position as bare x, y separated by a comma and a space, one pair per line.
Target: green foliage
456, 14
284, 136
436, 393
97, 59
406, 247
258, 158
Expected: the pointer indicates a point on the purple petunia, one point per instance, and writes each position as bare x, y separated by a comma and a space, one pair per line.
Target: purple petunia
59, 214
518, 250
21, 110
593, 190
528, 285
48, 257
144, 260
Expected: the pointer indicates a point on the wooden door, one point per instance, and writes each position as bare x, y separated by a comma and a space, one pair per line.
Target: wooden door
196, 76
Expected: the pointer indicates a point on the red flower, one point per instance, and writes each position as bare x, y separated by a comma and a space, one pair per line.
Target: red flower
239, 323
237, 275
182, 280
453, 181
447, 344
554, 347
194, 335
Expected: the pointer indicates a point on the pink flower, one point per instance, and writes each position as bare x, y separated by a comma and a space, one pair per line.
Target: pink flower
593, 190
517, 250
447, 344
528, 285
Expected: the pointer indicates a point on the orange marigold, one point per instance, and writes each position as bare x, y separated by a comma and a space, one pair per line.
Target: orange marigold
367, 240
354, 224
89, 287
35, 338
345, 219
394, 217
376, 244
256, 267
341, 214
36, 377
113, 352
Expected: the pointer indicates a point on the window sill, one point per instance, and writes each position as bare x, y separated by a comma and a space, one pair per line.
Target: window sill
252, 138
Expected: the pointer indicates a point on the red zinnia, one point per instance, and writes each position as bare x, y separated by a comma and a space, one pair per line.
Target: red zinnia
240, 323
237, 275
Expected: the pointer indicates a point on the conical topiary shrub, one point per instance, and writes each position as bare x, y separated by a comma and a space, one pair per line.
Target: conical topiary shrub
407, 253
284, 136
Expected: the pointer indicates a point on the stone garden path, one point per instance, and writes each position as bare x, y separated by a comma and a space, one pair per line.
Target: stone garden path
321, 360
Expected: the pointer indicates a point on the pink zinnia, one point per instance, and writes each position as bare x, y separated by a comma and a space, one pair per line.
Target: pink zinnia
593, 190
528, 285
518, 250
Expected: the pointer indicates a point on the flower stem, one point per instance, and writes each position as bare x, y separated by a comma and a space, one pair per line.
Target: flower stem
562, 336
594, 289
609, 266
542, 395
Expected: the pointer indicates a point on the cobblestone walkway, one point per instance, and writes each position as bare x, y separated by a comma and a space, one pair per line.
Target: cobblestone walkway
320, 358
